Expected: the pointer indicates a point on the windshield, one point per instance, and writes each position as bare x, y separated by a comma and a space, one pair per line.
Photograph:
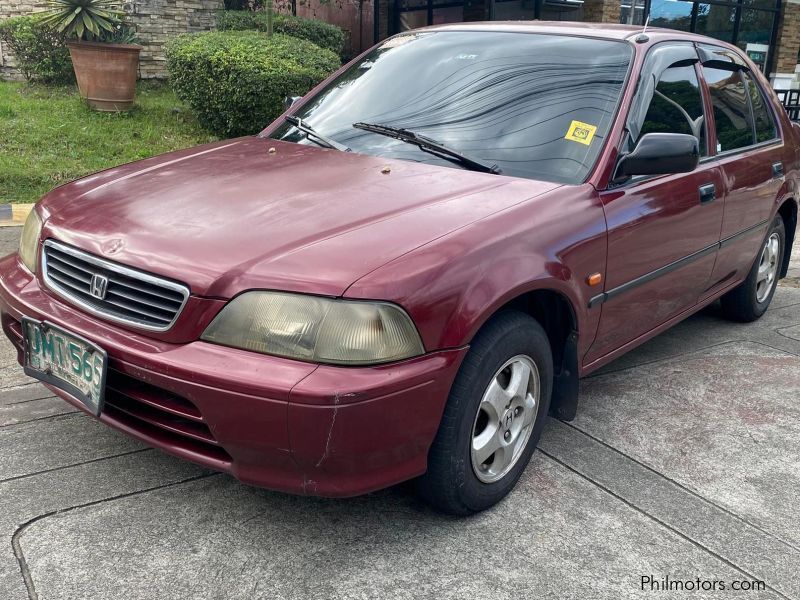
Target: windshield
538, 106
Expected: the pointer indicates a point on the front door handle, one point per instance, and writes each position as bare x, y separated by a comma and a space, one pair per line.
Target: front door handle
777, 170
708, 193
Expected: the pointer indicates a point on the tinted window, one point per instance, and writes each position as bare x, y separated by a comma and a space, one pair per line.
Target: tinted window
677, 106
731, 109
538, 106
765, 127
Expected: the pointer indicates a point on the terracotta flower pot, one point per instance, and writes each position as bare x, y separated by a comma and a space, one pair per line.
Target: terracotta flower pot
106, 73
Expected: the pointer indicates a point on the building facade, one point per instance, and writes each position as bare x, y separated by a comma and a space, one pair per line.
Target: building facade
768, 30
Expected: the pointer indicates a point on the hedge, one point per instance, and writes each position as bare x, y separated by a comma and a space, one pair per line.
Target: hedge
40, 53
321, 33
236, 81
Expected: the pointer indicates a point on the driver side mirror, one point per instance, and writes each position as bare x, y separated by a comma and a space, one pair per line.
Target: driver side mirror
661, 154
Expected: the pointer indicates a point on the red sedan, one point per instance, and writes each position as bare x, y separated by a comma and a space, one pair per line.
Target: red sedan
402, 275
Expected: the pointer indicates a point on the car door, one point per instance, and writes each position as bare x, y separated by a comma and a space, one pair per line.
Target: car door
663, 231
752, 157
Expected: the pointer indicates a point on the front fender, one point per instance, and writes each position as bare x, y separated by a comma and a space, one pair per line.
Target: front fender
453, 285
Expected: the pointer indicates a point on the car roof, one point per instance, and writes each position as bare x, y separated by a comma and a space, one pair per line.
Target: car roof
576, 28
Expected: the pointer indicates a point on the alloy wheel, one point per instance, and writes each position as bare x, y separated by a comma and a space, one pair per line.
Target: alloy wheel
505, 419
768, 267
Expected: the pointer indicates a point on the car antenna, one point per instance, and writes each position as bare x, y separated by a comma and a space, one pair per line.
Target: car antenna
643, 37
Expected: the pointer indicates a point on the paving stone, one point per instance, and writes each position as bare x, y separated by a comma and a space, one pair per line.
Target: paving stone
557, 536
758, 553
24, 393
33, 410
723, 422
29, 498
791, 332
29, 448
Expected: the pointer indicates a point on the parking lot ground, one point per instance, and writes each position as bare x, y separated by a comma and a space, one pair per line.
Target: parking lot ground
684, 462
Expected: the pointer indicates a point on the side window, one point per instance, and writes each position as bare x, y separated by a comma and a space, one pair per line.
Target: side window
677, 106
765, 127
731, 108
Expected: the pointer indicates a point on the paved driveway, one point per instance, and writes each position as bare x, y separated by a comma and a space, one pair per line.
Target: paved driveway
684, 462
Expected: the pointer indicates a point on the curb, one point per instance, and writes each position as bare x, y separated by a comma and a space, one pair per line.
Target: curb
14, 215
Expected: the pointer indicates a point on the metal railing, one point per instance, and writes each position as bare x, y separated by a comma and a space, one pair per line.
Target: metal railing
791, 102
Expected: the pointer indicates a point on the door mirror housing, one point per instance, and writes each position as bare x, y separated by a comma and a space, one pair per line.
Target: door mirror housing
660, 154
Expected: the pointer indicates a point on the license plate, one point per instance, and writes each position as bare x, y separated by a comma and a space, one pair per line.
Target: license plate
66, 361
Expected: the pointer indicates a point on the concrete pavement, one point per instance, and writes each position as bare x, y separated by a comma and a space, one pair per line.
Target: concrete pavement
684, 462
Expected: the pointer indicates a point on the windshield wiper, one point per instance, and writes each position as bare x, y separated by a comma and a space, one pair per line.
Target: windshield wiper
429, 145
312, 135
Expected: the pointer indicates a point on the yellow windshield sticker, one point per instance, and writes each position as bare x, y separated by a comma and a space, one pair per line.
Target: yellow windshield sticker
580, 132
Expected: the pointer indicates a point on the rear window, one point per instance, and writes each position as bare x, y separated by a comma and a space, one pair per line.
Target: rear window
762, 119
731, 109
740, 110
538, 106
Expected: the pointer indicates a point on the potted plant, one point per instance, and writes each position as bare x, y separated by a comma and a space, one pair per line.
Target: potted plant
105, 61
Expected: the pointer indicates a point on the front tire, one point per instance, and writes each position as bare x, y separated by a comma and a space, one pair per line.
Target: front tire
748, 301
493, 418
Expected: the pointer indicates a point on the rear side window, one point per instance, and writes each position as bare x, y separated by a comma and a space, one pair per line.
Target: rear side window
762, 119
677, 106
731, 108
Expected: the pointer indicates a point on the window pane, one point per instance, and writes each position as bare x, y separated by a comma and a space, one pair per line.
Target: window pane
450, 14
731, 109
562, 11
514, 10
673, 15
677, 106
773, 4
755, 32
538, 106
632, 12
716, 21
765, 128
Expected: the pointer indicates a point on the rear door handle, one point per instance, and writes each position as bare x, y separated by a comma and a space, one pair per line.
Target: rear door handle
777, 169
708, 193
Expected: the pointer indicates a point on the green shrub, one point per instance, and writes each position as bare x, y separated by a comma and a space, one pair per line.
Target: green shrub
319, 32
236, 81
40, 53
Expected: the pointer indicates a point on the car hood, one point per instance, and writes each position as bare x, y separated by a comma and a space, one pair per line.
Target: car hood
259, 213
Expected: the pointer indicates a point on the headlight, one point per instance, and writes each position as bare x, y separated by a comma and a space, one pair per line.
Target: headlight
29, 242
316, 329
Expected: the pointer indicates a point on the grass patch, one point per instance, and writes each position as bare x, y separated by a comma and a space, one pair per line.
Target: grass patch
49, 137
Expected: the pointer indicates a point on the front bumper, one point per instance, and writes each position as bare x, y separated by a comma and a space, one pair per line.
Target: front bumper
268, 421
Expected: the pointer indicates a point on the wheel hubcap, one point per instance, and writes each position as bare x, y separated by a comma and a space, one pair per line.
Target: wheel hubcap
505, 419
767, 267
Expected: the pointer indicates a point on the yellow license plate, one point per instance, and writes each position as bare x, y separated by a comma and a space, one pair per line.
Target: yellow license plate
66, 361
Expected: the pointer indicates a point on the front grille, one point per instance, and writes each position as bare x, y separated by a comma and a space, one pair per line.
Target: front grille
121, 294
159, 414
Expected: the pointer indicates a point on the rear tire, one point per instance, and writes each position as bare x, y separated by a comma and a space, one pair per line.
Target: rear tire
748, 301
494, 416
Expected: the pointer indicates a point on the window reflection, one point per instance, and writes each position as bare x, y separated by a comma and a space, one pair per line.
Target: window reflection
677, 106
632, 12
562, 10
673, 14
514, 10
716, 20
755, 32
764, 125
503, 98
731, 109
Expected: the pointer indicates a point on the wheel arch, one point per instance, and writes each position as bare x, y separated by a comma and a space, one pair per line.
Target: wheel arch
555, 311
